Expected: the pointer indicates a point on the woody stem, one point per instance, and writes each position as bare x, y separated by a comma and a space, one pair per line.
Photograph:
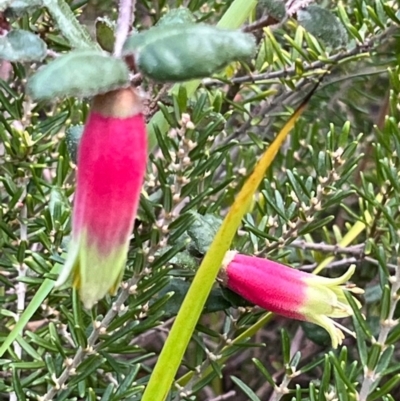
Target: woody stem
125, 19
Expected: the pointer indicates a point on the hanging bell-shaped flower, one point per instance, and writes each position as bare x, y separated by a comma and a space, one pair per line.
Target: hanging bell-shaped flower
112, 159
290, 292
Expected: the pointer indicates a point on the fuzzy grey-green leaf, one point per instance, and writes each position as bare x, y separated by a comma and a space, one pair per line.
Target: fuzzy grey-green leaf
323, 25
20, 46
4, 4
188, 51
177, 16
19, 7
79, 73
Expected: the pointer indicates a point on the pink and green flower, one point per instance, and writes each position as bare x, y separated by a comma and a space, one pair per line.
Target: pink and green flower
112, 159
290, 292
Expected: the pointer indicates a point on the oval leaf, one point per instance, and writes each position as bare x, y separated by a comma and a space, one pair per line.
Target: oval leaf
316, 333
323, 25
185, 51
217, 300
4, 4
202, 232
79, 73
274, 8
19, 46
73, 136
105, 33
19, 7
177, 16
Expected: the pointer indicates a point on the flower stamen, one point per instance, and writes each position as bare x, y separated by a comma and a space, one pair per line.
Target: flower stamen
343, 328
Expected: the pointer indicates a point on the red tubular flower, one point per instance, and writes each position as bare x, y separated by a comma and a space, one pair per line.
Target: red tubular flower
112, 159
290, 292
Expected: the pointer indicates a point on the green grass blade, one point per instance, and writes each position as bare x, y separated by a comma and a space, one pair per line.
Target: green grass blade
33, 306
192, 306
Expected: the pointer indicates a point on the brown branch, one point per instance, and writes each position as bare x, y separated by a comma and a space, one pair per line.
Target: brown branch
289, 72
261, 23
356, 250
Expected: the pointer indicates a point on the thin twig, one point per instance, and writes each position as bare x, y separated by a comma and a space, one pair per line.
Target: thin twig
323, 247
361, 49
346, 262
99, 328
136, 79
225, 396
125, 19
259, 24
281, 390
20, 286
291, 372
289, 72
52, 53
